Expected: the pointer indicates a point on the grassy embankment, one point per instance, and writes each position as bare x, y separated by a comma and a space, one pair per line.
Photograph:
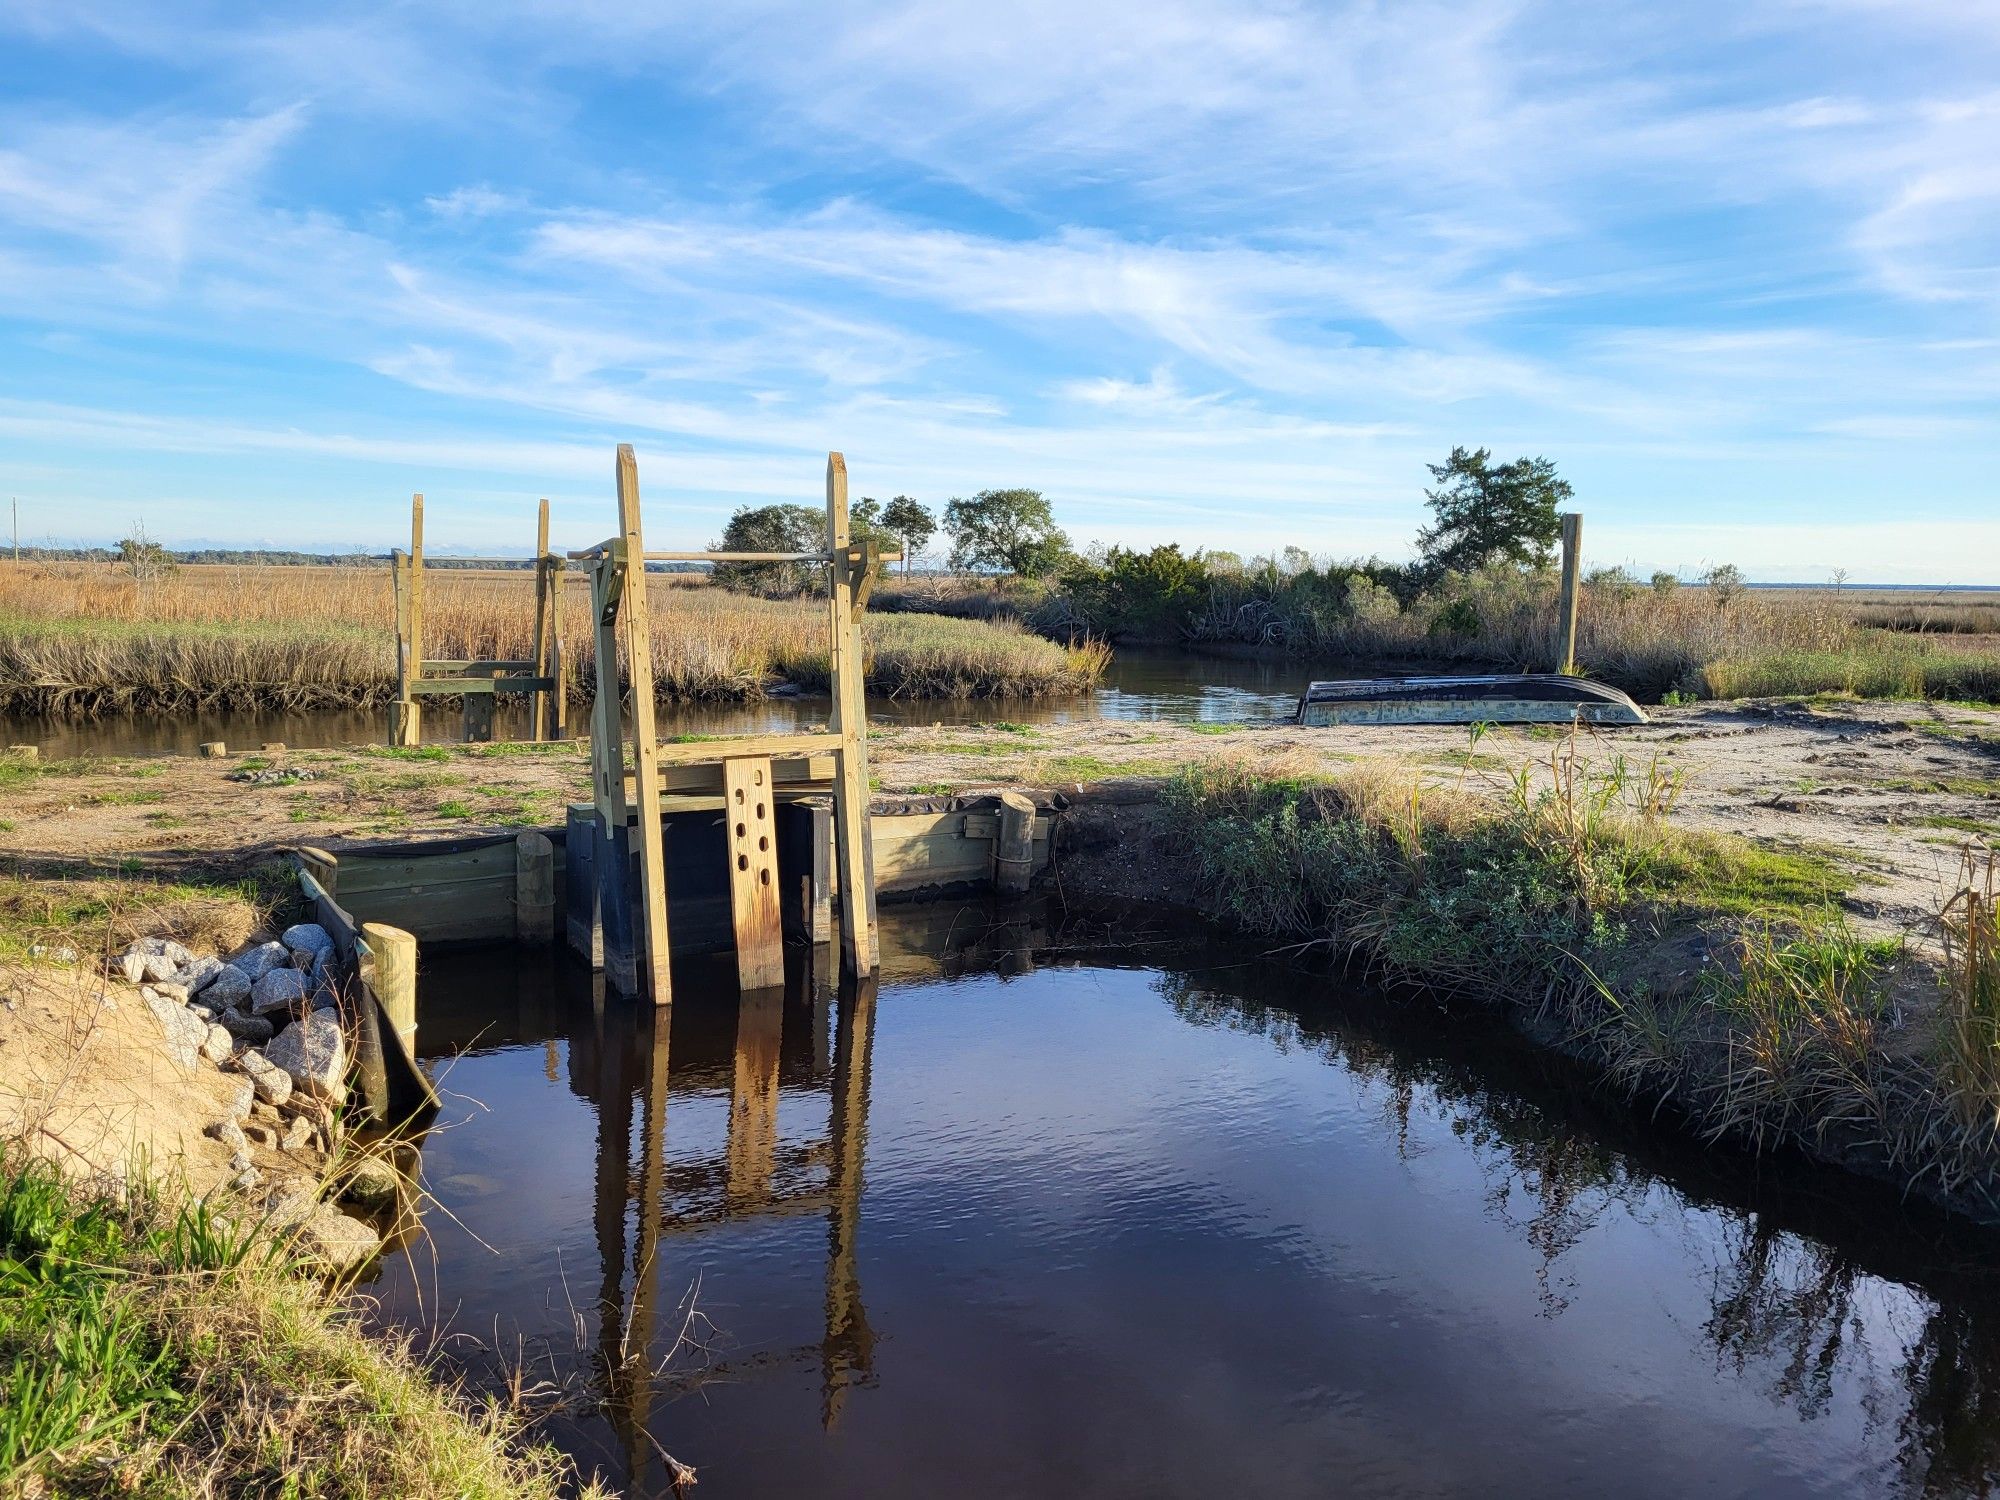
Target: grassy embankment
1699, 971
84, 639
151, 1346
1689, 641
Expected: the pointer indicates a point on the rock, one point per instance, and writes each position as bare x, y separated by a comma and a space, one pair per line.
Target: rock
258, 1133
314, 1053
227, 987
298, 1136
370, 1183
197, 974
278, 989
273, 1083
306, 941
253, 1029
340, 1242
166, 948
219, 1045
57, 953
132, 967
244, 1099
166, 989
184, 1033
316, 1112
246, 1179
256, 962
226, 1131
157, 967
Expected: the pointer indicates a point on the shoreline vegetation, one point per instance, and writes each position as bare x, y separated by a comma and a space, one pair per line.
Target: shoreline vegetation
84, 640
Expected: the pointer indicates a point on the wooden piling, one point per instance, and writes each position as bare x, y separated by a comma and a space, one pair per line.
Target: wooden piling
534, 890
213, 749
541, 725
1572, 548
645, 740
1014, 845
394, 977
860, 948
580, 884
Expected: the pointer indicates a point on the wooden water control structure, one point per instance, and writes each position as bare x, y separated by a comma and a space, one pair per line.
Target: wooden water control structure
617, 856
476, 682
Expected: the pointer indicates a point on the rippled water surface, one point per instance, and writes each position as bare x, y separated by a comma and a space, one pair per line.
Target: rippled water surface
1049, 1213
1140, 685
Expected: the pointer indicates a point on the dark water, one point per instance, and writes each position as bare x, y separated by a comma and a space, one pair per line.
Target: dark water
1140, 685
1046, 1216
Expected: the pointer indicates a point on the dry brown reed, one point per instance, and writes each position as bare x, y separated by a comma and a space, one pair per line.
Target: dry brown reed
83, 638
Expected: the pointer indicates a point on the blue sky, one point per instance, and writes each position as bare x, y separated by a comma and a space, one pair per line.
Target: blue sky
1214, 272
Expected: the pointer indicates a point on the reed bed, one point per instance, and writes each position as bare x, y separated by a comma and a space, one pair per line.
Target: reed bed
82, 639
1571, 902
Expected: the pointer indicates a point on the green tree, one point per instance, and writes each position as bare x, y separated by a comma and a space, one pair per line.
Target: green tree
1005, 531
772, 528
1664, 583
1488, 513
911, 525
1725, 582
144, 558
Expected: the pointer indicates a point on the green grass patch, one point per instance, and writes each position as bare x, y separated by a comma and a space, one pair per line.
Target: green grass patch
1957, 824
452, 807
1954, 786
124, 799
1200, 727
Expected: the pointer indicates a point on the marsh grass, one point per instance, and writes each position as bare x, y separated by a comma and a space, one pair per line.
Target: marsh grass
80, 639
151, 1344
1697, 970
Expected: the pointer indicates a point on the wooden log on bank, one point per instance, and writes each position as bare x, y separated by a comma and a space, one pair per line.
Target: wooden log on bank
1014, 845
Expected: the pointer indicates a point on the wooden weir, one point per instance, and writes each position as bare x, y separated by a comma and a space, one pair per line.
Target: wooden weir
749, 778
476, 682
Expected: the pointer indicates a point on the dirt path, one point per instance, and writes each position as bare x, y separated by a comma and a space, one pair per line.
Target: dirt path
1892, 790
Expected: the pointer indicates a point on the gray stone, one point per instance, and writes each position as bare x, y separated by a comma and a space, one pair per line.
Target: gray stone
370, 1183
257, 961
184, 1034
314, 1053
340, 1242
163, 948
273, 1083
132, 967
157, 967
253, 1029
244, 1099
227, 988
299, 1135
198, 974
226, 1131
306, 941
219, 1045
166, 989
278, 989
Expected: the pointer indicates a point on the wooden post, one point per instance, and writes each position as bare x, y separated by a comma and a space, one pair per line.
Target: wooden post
1572, 545
213, 749
854, 856
749, 813
534, 890
645, 741
607, 719
478, 718
416, 578
556, 654
394, 977
580, 883
538, 702
1014, 845
404, 717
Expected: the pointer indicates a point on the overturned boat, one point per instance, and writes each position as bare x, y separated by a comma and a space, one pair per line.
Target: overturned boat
1532, 698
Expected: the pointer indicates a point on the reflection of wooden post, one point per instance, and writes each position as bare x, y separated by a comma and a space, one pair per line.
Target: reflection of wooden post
394, 977
1014, 844
853, 852
645, 741
534, 889
1572, 544
753, 1100
849, 1343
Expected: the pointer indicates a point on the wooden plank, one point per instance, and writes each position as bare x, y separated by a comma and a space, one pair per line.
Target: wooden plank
751, 816
773, 746
860, 948
645, 739
478, 666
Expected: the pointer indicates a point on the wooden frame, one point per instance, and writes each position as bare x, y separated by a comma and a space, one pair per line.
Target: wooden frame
694, 775
476, 682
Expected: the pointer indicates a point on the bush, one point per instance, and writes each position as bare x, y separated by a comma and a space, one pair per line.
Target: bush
1144, 595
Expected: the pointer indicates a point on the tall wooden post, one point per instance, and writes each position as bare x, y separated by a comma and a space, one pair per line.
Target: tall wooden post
853, 853
609, 856
645, 740
1572, 545
394, 977
539, 717
407, 575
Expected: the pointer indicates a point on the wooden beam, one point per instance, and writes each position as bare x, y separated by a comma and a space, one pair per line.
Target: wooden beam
540, 706
416, 577
860, 948
750, 813
645, 740
1572, 545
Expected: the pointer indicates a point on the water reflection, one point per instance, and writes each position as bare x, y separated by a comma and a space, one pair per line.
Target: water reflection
1093, 1237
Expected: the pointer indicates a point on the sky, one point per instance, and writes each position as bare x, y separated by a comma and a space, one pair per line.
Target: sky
1222, 273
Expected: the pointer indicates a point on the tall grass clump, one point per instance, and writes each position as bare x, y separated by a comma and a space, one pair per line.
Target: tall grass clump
83, 639
150, 1345
1696, 970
